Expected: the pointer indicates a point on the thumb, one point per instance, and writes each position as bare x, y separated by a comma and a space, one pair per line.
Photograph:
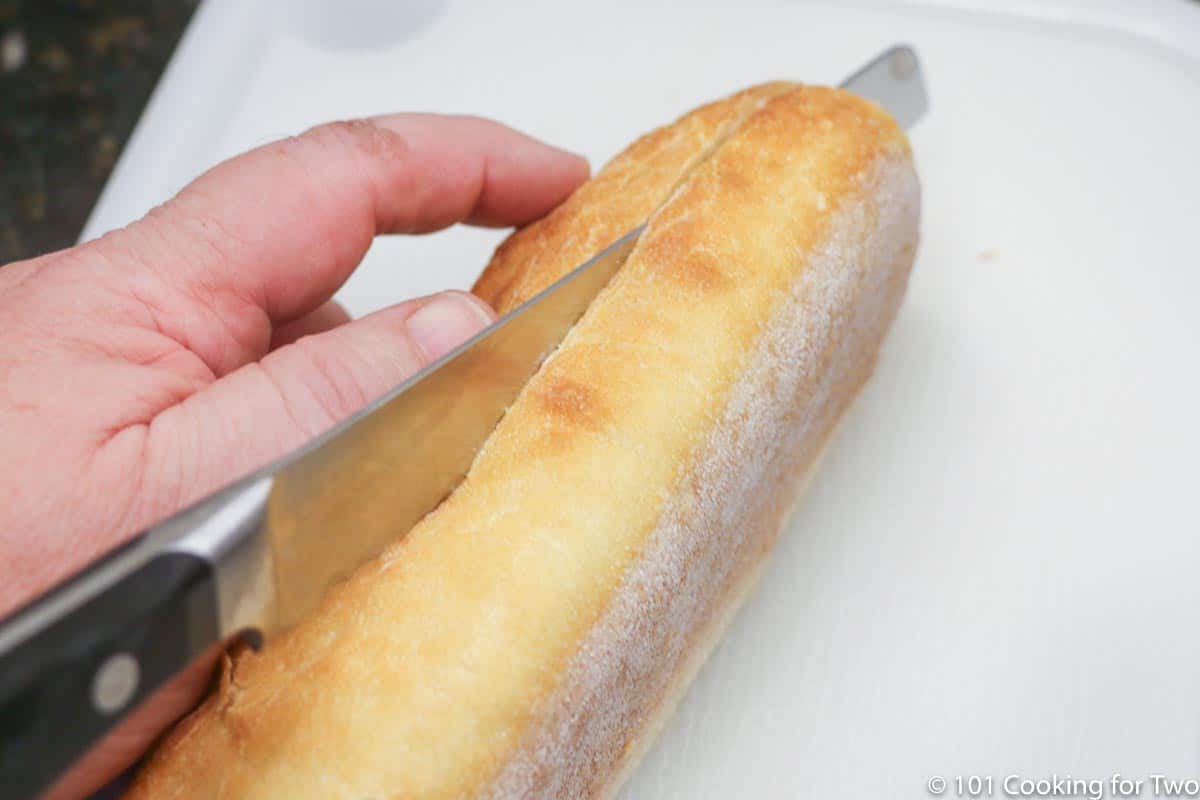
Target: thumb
251, 416
265, 409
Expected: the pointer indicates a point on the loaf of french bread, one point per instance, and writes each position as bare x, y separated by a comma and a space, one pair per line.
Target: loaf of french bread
527, 638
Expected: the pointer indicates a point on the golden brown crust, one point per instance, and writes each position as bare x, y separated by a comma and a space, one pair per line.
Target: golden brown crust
636, 477
618, 199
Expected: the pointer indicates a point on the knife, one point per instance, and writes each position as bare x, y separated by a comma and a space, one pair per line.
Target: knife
257, 556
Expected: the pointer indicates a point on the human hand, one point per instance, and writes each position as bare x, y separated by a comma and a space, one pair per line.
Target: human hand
143, 370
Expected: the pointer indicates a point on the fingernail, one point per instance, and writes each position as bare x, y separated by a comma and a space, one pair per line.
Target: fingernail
446, 321
584, 164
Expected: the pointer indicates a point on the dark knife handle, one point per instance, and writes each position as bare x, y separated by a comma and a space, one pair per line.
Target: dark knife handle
65, 685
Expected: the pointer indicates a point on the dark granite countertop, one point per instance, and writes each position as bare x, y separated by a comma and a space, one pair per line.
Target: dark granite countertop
74, 77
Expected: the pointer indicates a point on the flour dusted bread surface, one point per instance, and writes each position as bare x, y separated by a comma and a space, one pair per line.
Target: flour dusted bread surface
528, 636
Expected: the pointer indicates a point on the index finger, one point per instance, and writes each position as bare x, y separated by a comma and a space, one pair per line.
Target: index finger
277, 230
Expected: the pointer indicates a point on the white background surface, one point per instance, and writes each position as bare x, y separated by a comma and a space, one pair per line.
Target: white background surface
996, 571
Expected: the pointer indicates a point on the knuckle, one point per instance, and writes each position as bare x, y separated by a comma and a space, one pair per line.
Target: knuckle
167, 236
484, 122
327, 385
361, 135
115, 248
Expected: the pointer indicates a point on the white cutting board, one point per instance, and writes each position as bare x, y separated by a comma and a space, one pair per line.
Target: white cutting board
995, 573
